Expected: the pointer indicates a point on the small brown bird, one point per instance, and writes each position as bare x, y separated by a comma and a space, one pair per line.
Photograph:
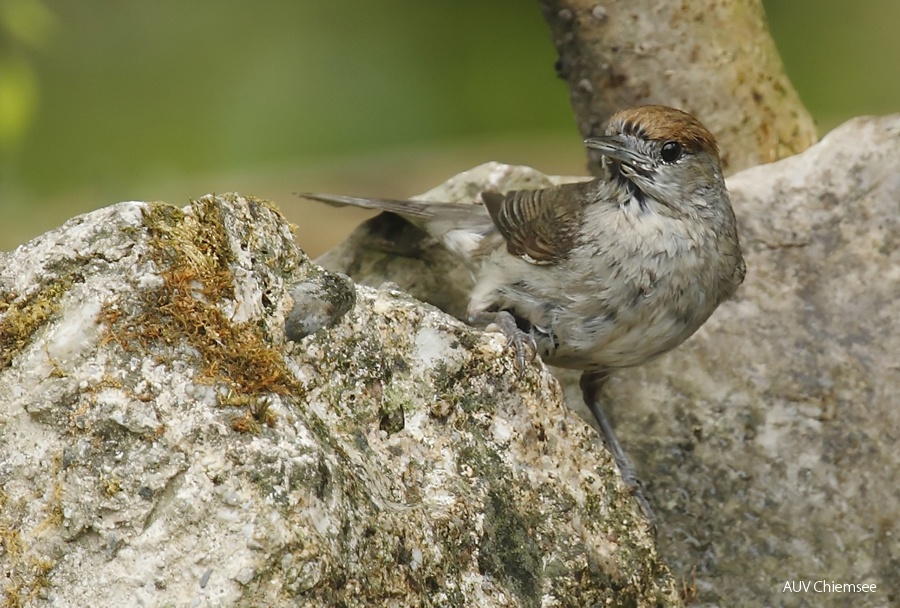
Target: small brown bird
603, 274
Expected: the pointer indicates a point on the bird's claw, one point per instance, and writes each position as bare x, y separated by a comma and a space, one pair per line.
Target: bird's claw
522, 342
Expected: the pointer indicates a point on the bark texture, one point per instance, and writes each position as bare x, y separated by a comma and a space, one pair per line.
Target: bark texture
712, 58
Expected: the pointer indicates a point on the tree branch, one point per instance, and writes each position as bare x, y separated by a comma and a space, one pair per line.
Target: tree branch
714, 59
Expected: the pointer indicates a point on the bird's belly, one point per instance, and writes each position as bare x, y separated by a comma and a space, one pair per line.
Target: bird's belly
621, 332
613, 341
605, 323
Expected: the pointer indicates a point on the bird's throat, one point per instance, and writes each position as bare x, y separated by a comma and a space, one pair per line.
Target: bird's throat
635, 193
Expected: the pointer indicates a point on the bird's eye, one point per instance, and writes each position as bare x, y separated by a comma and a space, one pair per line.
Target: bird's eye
671, 151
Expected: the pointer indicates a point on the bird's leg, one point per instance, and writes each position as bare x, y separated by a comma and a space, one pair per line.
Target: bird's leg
591, 383
505, 323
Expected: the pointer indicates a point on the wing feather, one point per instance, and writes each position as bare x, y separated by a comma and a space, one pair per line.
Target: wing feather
538, 225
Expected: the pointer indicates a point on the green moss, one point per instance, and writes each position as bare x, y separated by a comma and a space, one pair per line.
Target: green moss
26, 573
22, 317
197, 240
193, 256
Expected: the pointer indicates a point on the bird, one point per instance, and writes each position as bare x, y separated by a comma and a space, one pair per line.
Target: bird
603, 274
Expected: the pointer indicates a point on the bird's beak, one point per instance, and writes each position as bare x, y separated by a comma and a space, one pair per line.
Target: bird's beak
616, 148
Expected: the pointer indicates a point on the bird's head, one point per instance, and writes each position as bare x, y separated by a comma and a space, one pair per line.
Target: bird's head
663, 153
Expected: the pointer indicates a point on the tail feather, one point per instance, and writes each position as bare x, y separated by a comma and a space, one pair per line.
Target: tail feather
407, 208
459, 226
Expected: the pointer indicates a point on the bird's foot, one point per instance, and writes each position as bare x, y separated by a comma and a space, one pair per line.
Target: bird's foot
523, 342
636, 489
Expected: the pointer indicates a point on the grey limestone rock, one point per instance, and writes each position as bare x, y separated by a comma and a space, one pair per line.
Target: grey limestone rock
194, 414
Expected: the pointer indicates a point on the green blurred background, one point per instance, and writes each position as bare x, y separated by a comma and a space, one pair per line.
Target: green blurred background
168, 100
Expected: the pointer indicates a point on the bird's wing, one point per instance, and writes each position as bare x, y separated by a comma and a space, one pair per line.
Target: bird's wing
540, 226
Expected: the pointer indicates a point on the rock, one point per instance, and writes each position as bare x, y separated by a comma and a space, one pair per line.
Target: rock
192, 413
318, 304
768, 440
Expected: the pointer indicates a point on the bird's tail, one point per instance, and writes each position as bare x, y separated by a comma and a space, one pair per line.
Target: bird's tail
459, 226
436, 218
411, 209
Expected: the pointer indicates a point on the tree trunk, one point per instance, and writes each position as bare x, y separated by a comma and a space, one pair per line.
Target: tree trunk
714, 59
